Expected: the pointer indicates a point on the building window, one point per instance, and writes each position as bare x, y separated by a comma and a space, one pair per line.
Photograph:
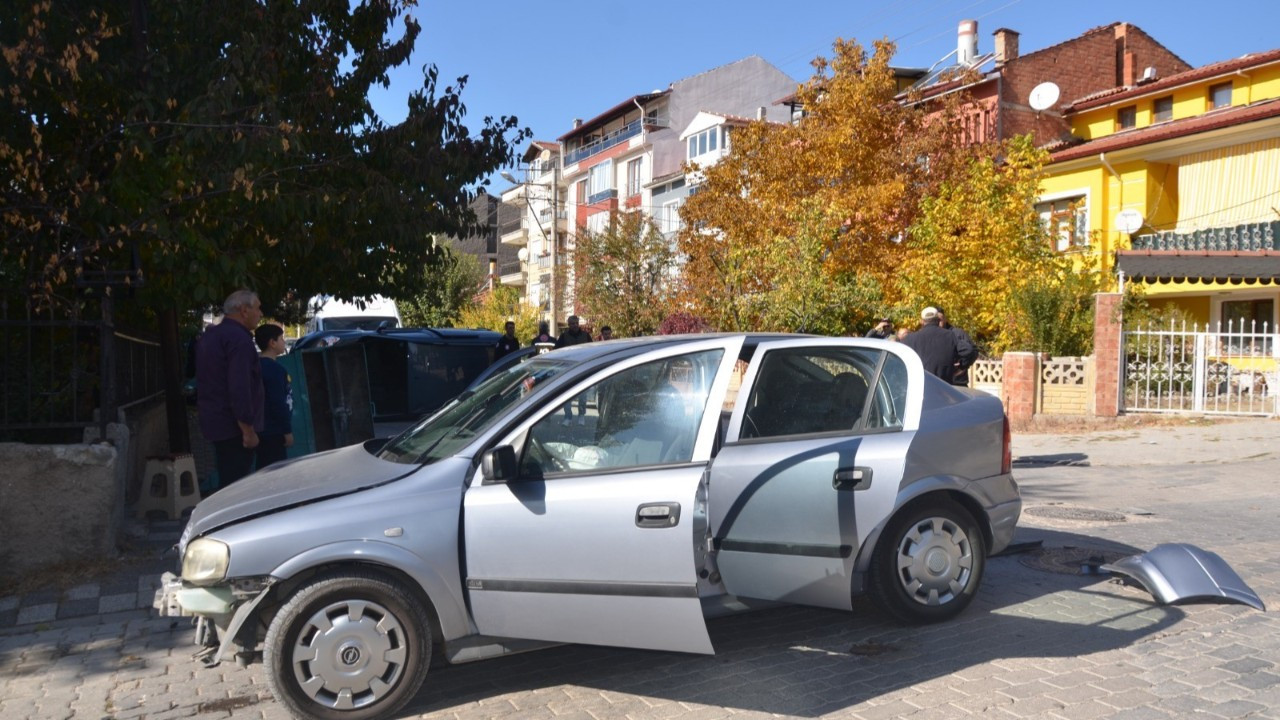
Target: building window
633, 176
1220, 95
1162, 109
704, 142
669, 221
600, 178
1067, 221
1248, 316
598, 223
1126, 118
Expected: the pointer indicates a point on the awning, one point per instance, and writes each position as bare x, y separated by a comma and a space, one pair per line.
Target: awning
1204, 266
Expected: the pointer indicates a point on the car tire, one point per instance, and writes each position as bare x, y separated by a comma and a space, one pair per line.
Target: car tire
354, 646
928, 563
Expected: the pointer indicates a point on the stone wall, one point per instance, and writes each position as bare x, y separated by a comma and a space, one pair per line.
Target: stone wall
58, 503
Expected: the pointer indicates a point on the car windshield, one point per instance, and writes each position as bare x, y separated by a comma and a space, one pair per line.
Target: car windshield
442, 434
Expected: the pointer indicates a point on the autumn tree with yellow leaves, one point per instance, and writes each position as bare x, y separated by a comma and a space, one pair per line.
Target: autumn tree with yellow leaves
869, 205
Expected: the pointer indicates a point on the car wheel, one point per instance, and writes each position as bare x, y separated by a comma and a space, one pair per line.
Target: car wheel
353, 646
928, 564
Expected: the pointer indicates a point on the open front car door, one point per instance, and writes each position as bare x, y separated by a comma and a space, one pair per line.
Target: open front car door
585, 522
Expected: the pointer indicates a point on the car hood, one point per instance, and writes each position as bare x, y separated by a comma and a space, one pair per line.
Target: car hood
292, 483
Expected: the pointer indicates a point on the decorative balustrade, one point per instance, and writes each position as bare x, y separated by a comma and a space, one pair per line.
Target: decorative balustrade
1063, 371
1247, 237
986, 372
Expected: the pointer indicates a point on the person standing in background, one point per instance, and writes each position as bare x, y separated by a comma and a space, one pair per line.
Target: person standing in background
575, 335
883, 329
544, 335
508, 343
229, 395
966, 351
277, 425
935, 346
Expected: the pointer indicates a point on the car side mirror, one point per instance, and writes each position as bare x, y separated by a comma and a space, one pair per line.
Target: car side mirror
498, 465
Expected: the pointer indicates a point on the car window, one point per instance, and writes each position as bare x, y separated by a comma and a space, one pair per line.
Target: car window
888, 403
800, 391
645, 415
440, 435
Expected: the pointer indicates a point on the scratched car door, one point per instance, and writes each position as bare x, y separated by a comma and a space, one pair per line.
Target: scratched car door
818, 424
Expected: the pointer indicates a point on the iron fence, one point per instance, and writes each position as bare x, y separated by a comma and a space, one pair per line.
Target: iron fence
62, 371
1229, 371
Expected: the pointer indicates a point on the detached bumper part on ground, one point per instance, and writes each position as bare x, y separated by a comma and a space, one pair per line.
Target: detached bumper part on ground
1177, 573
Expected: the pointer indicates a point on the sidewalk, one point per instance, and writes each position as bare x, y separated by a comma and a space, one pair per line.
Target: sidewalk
132, 589
1206, 441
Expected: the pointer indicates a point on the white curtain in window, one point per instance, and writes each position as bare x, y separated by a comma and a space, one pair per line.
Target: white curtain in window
1229, 186
601, 178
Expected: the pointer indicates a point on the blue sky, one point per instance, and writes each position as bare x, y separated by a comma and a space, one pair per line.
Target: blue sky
550, 62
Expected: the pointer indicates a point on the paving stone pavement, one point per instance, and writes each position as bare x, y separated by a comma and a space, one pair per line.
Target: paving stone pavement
1037, 643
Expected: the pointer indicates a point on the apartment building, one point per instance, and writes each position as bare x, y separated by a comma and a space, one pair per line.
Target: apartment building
628, 158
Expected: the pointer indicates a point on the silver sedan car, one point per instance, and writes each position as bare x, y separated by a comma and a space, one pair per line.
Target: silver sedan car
614, 493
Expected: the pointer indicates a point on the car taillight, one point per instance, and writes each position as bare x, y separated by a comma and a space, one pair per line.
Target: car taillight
1006, 463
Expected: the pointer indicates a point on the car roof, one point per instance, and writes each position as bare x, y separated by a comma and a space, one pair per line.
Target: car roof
628, 346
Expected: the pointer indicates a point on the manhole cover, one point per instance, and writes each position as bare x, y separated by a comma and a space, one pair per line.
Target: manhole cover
1070, 560
1063, 512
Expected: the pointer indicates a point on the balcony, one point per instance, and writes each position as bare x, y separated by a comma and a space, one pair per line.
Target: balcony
513, 233
1239, 238
626, 132
602, 196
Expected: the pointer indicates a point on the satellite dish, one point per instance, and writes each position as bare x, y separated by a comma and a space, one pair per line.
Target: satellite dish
1129, 221
523, 254
1043, 96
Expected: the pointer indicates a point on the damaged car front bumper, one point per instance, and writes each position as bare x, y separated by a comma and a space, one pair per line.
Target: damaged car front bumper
222, 611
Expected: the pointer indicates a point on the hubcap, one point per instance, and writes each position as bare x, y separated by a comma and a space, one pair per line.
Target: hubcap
935, 561
349, 654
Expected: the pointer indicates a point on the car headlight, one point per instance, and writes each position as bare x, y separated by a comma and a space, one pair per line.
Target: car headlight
205, 561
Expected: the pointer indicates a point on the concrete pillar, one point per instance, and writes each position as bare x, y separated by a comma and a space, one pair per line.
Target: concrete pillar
1107, 353
1020, 385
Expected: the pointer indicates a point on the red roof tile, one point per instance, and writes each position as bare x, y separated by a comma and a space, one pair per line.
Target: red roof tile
1226, 117
1203, 72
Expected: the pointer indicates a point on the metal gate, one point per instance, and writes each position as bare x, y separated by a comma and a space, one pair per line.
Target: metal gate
1227, 371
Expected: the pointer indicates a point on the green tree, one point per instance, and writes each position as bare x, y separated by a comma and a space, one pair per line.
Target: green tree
451, 288
978, 246
623, 275
810, 293
228, 144
496, 308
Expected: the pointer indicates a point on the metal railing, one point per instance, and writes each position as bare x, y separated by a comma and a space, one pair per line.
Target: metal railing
60, 372
626, 132
1231, 371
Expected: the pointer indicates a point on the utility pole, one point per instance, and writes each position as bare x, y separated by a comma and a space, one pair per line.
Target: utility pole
553, 304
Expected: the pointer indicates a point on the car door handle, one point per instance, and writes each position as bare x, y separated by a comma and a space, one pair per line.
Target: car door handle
658, 515
858, 478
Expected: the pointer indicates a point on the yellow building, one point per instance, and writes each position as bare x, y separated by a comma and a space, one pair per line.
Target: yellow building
1174, 182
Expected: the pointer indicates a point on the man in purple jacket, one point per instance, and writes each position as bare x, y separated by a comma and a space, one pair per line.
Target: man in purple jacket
229, 396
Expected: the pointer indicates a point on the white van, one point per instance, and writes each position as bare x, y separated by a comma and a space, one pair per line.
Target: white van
328, 313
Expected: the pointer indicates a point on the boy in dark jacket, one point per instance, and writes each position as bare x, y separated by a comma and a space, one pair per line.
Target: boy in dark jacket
277, 431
